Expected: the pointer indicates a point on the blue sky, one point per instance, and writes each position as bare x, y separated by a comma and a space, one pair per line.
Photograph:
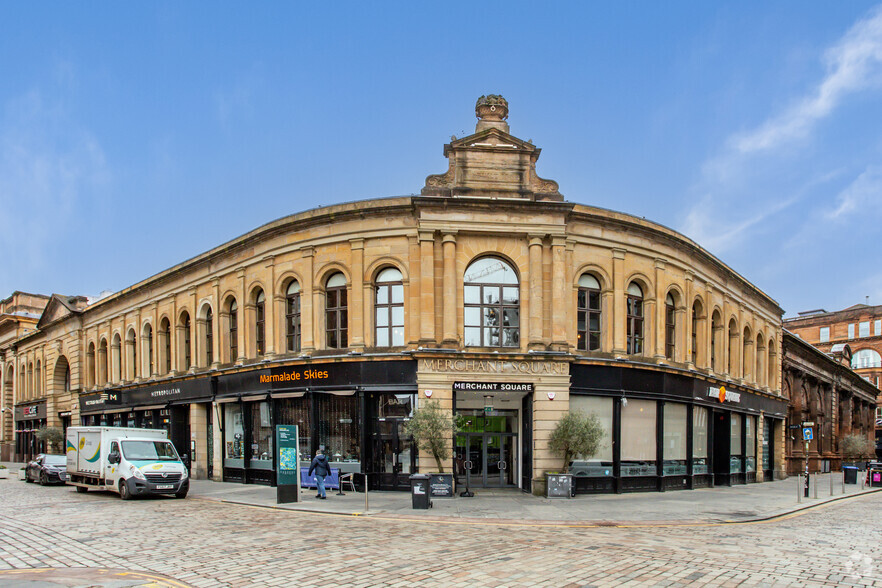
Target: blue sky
133, 137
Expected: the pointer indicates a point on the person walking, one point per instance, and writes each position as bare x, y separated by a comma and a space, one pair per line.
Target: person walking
322, 468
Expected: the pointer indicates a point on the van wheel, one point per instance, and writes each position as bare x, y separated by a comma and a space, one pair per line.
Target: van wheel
82, 489
182, 493
124, 490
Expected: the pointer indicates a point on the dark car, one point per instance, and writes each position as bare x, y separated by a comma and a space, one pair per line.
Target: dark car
47, 469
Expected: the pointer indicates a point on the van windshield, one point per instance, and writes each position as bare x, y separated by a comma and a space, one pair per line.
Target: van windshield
162, 450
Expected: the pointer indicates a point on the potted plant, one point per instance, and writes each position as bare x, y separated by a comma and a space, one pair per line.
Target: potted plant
52, 436
4, 472
576, 434
431, 428
855, 448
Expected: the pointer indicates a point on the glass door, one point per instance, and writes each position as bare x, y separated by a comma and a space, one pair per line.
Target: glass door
392, 456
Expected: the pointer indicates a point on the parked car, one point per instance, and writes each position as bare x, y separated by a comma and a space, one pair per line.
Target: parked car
47, 469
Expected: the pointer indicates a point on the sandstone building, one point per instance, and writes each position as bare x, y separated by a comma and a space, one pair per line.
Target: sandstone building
488, 293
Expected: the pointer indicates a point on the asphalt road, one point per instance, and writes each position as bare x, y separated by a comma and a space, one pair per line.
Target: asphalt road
52, 536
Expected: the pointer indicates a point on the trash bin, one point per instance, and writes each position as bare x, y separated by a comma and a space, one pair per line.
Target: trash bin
419, 491
875, 478
849, 474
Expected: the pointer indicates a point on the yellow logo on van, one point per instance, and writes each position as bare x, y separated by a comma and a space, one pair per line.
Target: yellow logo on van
82, 442
156, 466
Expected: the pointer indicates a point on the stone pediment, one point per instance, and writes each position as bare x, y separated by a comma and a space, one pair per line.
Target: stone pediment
492, 163
60, 307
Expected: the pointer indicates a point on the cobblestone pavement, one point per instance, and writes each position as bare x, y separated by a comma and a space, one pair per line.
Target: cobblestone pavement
205, 543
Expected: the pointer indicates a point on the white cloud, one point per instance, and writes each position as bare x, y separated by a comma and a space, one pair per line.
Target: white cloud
862, 196
853, 64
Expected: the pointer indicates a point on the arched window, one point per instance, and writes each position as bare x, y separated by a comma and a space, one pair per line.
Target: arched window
670, 326
336, 312
292, 317
165, 342
697, 322
209, 337
389, 308
185, 356
866, 358
634, 304
234, 331
148, 337
260, 323
492, 304
588, 314
90, 367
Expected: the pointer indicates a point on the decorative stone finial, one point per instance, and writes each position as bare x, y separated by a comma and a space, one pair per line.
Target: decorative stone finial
491, 110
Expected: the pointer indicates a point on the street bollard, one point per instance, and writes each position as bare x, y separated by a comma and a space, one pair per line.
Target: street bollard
831, 482
365, 492
815, 491
798, 487
843, 481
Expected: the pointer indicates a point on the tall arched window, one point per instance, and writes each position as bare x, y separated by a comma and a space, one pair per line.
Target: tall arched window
588, 314
234, 331
866, 358
292, 317
670, 326
165, 342
148, 337
185, 357
260, 323
90, 367
634, 311
336, 312
492, 304
209, 337
389, 308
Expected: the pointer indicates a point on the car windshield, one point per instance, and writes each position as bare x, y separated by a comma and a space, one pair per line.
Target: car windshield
55, 460
149, 450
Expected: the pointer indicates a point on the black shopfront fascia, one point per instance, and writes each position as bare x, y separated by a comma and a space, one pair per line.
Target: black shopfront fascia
360, 378
630, 382
167, 406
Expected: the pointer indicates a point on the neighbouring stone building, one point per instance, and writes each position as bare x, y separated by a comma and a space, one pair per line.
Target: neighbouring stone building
824, 390
488, 293
859, 327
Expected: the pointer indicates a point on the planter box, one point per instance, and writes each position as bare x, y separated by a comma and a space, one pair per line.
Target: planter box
558, 485
4, 474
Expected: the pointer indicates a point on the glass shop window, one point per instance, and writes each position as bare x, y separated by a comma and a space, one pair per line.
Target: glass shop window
674, 440
338, 427
234, 436
699, 440
261, 436
735, 444
395, 406
601, 463
638, 438
750, 442
295, 411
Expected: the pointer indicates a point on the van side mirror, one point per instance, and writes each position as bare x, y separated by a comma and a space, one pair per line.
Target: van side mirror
113, 458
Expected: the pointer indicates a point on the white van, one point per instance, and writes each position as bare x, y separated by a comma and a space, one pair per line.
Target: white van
131, 462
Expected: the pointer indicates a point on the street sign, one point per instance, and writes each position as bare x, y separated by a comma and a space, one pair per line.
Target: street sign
807, 433
288, 472
795, 426
808, 424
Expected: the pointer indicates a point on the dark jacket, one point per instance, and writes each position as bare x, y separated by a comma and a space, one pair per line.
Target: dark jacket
320, 465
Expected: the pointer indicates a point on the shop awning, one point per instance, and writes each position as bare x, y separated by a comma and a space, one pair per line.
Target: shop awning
151, 407
288, 394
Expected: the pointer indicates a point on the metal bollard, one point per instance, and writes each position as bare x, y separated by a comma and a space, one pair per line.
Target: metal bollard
831, 481
843, 481
365, 492
798, 487
815, 491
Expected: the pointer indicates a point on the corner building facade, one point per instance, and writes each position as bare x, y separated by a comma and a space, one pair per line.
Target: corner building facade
488, 293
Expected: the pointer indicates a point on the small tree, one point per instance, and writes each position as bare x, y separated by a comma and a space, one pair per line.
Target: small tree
854, 446
52, 436
576, 434
431, 427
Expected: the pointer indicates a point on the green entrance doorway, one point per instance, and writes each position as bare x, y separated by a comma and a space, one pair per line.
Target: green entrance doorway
486, 449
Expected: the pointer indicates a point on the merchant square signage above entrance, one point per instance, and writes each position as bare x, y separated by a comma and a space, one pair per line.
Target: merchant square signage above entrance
495, 366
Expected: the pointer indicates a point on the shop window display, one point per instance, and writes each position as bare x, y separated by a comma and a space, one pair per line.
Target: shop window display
601, 463
638, 438
234, 436
735, 445
261, 436
750, 447
674, 440
295, 411
699, 440
338, 430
